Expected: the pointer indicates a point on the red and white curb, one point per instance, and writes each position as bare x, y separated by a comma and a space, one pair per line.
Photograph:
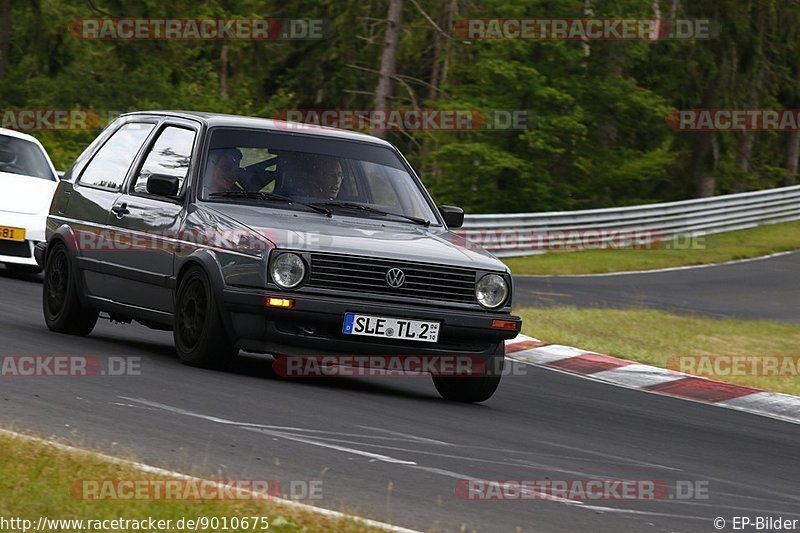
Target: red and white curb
652, 379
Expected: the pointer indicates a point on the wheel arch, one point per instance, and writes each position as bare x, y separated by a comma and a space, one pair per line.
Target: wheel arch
64, 234
207, 261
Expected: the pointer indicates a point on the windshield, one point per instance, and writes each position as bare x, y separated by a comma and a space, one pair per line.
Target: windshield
18, 156
310, 170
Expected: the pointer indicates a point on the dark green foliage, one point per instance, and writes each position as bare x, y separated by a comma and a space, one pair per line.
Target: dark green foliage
597, 131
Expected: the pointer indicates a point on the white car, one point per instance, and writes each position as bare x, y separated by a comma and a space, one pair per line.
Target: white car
27, 183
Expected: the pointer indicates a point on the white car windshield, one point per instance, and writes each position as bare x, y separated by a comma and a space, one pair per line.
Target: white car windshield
18, 156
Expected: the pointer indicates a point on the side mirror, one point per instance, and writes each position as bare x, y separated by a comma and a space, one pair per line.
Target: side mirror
163, 185
453, 216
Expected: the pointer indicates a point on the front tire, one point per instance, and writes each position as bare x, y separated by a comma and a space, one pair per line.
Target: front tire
200, 338
474, 389
61, 305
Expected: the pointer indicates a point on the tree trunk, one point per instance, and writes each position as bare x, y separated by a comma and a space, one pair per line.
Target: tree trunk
673, 14
442, 49
607, 128
588, 13
753, 82
388, 58
436, 65
702, 167
452, 12
792, 158
704, 147
793, 144
657, 18
744, 155
5, 35
223, 71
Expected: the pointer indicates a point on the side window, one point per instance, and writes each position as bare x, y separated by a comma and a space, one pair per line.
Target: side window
110, 164
170, 155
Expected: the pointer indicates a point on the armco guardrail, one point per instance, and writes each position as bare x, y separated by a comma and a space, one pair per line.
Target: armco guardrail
531, 233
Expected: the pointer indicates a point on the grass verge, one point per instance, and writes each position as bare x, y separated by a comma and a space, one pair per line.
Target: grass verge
717, 248
40, 480
653, 337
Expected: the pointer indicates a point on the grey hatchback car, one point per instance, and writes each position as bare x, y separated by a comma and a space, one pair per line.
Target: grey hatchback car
240, 233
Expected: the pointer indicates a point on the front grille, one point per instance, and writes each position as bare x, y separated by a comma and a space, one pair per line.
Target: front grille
368, 275
15, 249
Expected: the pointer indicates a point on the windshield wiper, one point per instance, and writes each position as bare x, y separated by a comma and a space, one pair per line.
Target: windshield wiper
370, 209
269, 197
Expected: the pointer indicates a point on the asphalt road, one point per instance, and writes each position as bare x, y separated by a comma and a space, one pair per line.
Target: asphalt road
390, 448
760, 289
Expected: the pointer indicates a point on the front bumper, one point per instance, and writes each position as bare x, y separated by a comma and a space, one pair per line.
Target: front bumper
314, 326
21, 253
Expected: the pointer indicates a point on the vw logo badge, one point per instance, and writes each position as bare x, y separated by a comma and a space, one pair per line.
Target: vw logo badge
395, 278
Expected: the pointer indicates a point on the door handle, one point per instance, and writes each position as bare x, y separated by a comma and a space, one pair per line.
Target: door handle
120, 210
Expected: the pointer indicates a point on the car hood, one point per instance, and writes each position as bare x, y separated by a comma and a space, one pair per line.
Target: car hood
25, 194
372, 237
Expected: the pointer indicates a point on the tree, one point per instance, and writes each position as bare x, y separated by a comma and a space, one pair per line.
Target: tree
388, 65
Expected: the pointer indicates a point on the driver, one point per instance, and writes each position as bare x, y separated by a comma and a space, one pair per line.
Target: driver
223, 171
322, 177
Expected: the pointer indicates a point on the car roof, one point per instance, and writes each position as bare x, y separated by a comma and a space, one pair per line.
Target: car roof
241, 121
19, 135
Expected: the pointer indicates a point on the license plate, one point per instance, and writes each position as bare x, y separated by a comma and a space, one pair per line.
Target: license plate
390, 328
12, 234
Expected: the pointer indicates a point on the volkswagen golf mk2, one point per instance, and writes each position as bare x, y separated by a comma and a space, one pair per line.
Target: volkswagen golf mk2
241, 233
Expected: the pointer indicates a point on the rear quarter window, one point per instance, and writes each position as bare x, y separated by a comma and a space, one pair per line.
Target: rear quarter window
111, 162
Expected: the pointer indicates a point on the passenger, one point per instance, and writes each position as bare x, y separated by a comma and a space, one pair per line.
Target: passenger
222, 171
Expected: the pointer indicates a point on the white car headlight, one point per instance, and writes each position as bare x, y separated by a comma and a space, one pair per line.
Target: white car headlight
288, 270
491, 291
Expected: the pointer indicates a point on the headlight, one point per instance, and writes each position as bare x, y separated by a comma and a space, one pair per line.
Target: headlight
288, 270
491, 291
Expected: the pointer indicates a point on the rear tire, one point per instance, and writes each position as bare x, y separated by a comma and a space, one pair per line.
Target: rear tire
474, 389
61, 304
200, 338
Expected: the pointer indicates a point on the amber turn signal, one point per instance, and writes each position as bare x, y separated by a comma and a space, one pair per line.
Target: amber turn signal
286, 303
504, 324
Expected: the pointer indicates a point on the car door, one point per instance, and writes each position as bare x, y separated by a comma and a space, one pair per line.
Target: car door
148, 225
91, 198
